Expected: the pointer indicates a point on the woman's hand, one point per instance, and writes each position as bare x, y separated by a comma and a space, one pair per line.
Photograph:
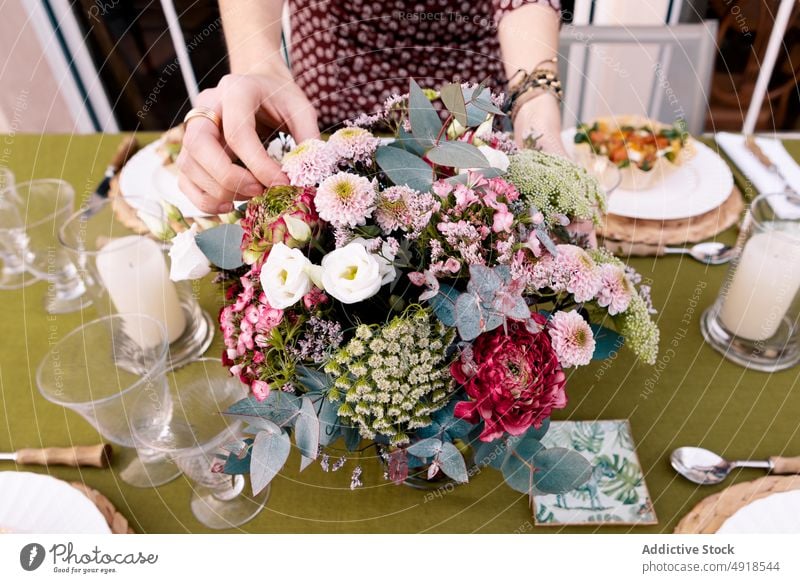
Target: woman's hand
540, 119
248, 105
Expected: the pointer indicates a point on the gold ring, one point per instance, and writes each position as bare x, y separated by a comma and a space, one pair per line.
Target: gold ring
205, 112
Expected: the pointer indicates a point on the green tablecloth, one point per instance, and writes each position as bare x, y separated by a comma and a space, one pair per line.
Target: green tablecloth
692, 396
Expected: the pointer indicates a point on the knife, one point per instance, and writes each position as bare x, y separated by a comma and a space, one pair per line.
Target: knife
127, 148
753, 147
96, 456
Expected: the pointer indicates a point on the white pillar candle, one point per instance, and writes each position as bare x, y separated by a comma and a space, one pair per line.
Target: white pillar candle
134, 271
764, 286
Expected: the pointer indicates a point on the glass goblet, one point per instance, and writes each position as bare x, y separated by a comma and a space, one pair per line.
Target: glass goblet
195, 434
13, 240
44, 205
105, 371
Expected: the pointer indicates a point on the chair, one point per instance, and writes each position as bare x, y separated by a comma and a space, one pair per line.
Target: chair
661, 72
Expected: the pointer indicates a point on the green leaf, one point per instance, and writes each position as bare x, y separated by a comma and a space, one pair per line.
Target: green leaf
235, 464
425, 122
452, 463
559, 470
222, 245
485, 103
518, 466
607, 342
269, 454
491, 453
444, 304
278, 407
453, 99
306, 432
407, 142
458, 155
314, 380
329, 428
404, 168
425, 448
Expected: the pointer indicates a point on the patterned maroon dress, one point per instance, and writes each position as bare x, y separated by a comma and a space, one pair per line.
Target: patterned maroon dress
350, 55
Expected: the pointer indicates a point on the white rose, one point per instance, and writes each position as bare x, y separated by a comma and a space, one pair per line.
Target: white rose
187, 261
497, 158
351, 274
284, 276
385, 259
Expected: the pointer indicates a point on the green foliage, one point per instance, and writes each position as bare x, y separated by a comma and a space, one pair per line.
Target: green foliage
453, 99
222, 245
268, 456
559, 470
307, 432
607, 342
425, 123
452, 463
278, 407
403, 167
457, 155
588, 437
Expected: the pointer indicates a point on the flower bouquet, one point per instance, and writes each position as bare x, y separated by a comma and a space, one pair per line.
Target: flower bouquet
423, 295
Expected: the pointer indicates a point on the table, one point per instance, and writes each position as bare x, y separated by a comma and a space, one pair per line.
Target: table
691, 397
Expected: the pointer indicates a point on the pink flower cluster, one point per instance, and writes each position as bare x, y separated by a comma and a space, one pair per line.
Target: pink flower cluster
346, 200
246, 324
475, 222
402, 207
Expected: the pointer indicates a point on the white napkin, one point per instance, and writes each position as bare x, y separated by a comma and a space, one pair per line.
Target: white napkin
764, 180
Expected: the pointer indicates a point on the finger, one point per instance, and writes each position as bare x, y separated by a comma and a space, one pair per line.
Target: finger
239, 129
208, 184
210, 156
199, 198
302, 122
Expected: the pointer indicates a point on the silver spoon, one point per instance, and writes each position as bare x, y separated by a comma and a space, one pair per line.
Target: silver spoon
702, 466
710, 253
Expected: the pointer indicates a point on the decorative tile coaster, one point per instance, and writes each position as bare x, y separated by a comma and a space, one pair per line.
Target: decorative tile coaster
615, 494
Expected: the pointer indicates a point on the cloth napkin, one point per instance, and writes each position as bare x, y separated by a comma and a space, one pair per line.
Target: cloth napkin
764, 180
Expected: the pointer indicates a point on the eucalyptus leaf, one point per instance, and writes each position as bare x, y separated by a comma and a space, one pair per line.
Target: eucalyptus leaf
329, 428
425, 123
454, 154
278, 407
268, 456
306, 430
222, 245
453, 99
451, 461
485, 103
404, 168
468, 317
406, 141
559, 470
352, 438
517, 473
238, 462
425, 448
606, 342
444, 304
490, 453
314, 380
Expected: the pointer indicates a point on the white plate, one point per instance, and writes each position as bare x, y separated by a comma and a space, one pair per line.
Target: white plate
35, 503
775, 514
701, 184
145, 176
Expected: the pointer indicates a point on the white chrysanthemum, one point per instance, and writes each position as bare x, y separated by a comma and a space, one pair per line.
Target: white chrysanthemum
354, 145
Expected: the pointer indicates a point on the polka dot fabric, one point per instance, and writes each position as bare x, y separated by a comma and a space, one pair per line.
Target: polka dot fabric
350, 55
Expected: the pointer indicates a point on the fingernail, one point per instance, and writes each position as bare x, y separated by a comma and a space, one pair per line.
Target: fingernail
225, 207
253, 190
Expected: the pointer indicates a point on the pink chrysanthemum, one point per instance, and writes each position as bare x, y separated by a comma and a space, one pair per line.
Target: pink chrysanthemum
354, 145
615, 289
345, 200
309, 163
572, 339
401, 207
571, 270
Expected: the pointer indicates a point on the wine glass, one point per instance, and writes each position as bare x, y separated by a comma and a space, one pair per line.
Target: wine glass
12, 236
44, 205
106, 370
194, 436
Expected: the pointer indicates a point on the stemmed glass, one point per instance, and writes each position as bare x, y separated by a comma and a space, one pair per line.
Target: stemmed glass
107, 371
127, 272
43, 206
12, 236
195, 434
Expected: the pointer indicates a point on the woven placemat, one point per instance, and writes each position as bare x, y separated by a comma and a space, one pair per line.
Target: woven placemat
627, 231
116, 522
709, 515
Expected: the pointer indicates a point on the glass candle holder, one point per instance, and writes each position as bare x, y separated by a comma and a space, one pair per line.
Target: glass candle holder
13, 274
106, 371
754, 321
127, 272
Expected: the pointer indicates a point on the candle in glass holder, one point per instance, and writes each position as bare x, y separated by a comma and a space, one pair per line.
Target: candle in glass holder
766, 282
135, 273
